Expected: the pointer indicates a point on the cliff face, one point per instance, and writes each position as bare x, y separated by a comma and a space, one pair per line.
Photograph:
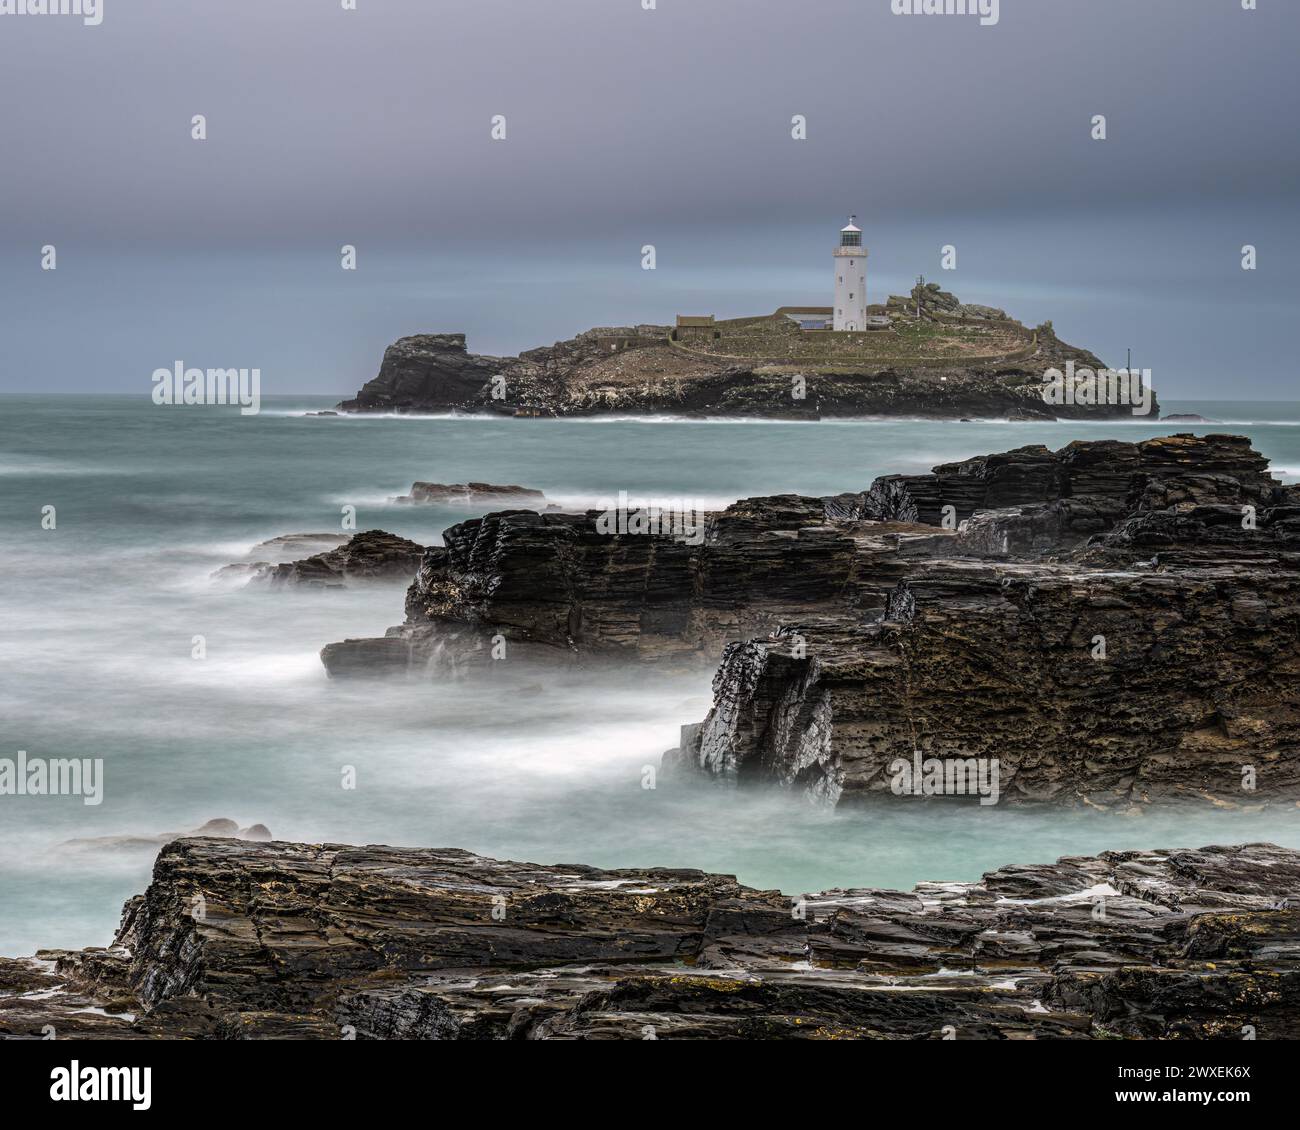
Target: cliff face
640, 370
1119, 625
426, 372
1194, 697
278, 940
1114, 623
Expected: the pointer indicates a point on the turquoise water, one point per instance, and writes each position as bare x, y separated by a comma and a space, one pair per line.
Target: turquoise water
99, 615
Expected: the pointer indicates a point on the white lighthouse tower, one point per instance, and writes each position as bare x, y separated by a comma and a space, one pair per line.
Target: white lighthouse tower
850, 280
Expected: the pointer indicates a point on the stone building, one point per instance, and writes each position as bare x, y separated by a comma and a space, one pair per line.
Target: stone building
695, 326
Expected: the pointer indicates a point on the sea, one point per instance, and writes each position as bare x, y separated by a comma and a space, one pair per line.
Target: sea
104, 601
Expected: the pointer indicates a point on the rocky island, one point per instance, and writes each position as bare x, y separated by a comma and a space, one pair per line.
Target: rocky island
243, 940
927, 355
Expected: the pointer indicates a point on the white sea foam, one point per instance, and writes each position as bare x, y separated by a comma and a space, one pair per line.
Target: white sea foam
35, 465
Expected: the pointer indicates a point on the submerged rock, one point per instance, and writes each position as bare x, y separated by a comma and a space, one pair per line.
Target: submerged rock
261, 941
376, 657
220, 827
292, 547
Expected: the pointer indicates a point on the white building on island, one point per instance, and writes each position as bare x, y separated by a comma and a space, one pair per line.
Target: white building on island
850, 310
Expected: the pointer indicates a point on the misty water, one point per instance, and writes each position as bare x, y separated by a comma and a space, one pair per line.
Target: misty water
97, 619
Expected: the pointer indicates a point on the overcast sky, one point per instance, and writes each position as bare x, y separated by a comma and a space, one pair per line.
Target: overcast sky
627, 127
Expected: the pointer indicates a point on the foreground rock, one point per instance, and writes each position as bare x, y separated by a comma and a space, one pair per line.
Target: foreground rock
260, 941
472, 494
1115, 623
374, 555
640, 370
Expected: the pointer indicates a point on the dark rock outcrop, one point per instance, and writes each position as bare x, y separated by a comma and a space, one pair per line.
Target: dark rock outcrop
426, 372
1109, 624
261, 941
373, 555
1112, 622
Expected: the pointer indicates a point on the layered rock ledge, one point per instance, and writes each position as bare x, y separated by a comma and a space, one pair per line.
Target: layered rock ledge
1114, 622
277, 940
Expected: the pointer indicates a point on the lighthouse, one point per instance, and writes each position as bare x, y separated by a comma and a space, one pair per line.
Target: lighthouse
850, 280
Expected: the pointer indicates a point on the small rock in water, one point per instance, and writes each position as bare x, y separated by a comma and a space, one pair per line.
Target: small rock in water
472, 494
374, 555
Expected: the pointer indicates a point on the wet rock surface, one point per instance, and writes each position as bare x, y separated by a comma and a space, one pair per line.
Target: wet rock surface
277, 940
